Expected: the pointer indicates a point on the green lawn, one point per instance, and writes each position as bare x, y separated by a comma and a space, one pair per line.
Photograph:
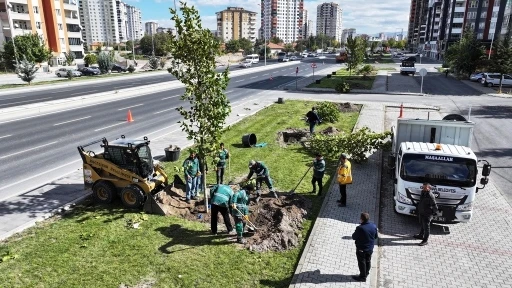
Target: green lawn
355, 81
386, 68
94, 247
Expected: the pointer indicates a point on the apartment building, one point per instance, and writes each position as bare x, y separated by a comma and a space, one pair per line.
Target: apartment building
171, 30
56, 22
236, 23
122, 21
345, 33
305, 24
328, 20
282, 19
134, 27
151, 27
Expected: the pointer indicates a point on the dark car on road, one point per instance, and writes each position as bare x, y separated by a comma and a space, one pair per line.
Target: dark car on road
89, 71
118, 68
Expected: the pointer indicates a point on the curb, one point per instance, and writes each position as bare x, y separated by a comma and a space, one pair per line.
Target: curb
359, 91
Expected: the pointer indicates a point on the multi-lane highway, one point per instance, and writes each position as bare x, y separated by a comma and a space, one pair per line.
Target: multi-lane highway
40, 148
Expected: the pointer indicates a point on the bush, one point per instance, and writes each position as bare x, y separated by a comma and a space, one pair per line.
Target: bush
366, 70
104, 62
153, 62
342, 87
446, 65
26, 70
162, 62
131, 69
69, 74
328, 112
90, 59
169, 69
357, 144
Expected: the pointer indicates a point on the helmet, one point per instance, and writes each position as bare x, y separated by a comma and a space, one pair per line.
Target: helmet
251, 163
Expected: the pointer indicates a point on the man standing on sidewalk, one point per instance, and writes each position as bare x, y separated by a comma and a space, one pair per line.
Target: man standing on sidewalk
318, 173
427, 207
365, 236
313, 119
344, 178
191, 170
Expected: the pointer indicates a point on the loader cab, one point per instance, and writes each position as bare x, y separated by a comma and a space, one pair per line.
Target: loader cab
132, 155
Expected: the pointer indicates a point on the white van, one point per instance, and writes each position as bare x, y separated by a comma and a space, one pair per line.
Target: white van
254, 58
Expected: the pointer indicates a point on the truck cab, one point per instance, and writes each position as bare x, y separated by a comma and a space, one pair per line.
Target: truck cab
407, 67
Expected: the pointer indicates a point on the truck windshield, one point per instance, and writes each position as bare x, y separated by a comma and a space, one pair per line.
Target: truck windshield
438, 170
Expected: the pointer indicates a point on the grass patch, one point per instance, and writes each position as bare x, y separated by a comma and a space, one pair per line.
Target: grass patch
386, 68
94, 247
355, 81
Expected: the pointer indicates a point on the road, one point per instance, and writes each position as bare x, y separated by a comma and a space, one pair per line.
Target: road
48, 146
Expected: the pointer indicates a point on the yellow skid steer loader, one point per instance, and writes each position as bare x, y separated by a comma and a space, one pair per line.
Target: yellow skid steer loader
125, 169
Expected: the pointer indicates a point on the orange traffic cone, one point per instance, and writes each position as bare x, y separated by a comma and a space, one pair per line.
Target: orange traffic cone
401, 110
130, 118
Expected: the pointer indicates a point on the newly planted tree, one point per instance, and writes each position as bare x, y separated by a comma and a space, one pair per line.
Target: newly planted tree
193, 63
104, 62
354, 47
153, 62
26, 70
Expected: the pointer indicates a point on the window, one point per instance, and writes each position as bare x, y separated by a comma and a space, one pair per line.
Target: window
485, 3
496, 3
480, 36
471, 15
62, 41
473, 4
38, 25
483, 15
58, 12
60, 26
36, 9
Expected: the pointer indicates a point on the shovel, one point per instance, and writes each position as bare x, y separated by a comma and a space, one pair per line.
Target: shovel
253, 226
293, 190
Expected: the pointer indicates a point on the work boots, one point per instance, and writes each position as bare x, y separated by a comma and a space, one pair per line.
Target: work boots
241, 240
258, 196
275, 194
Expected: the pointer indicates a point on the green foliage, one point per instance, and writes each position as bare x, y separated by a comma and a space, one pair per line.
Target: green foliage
105, 62
465, 55
162, 62
70, 57
391, 43
356, 49
373, 46
203, 121
356, 144
262, 52
69, 74
328, 112
235, 45
232, 46
445, 65
130, 68
501, 61
90, 59
153, 62
299, 47
26, 70
288, 48
276, 40
342, 87
161, 43
129, 45
366, 70
29, 46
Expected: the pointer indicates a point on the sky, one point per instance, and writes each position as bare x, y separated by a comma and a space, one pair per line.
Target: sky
367, 16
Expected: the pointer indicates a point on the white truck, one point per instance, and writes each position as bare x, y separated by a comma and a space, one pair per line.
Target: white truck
407, 67
437, 152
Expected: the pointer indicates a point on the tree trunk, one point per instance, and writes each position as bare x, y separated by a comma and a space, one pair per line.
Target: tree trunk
501, 84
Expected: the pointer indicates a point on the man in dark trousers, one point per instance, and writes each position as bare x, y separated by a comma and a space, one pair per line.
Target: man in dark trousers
222, 156
313, 119
222, 196
262, 175
318, 173
365, 236
427, 208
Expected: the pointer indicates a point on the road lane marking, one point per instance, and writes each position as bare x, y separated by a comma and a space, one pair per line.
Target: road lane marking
228, 91
5, 136
109, 126
77, 93
33, 148
170, 97
173, 108
239, 80
130, 107
265, 74
26, 101
71, 121
254, 77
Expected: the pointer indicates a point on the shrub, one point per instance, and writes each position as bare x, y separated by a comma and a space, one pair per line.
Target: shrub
366, 70
69, 74
70, 57
104, 62
26, 70
358, 145
342, 87
153, 62
162, 62
131, 69
328, 112
446, 65
90, 59
169, 69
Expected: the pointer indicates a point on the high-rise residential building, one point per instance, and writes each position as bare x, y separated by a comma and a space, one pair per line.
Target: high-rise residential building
417, 24
345, 33
134, 19
151, 27
56, 22
236, 23
328, 20
305, 24
282, 19
122, 21
310, 28
167, 30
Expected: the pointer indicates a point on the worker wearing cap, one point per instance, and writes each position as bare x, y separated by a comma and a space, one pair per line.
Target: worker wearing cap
344, 178
240, 210
223, 156
221, 202
318, 173
262, 175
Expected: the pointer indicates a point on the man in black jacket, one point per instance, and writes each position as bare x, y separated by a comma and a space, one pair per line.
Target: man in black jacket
427, 207
313, 119
365, 236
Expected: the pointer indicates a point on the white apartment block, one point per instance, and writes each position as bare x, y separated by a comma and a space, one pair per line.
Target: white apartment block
56, 22
151, 27
236, 23
282, 19
135, 30
122, 21
347, 33
328, 20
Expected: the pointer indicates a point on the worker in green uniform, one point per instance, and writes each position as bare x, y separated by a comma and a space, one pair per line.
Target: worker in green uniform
191, 171
221, 202
240, 201
223, 155
262, 175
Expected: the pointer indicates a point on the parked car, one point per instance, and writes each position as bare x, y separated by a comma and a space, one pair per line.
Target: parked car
245, 64
493, 79
89, 71
477, 77
286, 59
118, 68
294, 58
63, 72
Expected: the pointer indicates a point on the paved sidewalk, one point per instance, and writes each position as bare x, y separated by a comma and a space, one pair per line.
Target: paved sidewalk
329, 259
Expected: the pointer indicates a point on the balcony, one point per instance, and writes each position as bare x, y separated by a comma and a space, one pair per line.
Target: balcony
458, 20
456, 30
459, 9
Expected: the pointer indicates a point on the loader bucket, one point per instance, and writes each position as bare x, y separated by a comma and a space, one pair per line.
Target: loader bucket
152, 207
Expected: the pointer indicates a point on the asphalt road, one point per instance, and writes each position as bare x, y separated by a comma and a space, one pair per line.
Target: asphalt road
18, 97
37, 149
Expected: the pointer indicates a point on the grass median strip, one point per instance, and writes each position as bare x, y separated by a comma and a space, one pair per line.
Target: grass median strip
355, 81
97, 246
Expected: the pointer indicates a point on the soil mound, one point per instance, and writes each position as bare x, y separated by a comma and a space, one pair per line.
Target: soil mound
349, 107
279, 221
330, 131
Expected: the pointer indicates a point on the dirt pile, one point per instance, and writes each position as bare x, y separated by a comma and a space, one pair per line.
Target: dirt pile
348, 107
330, 131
